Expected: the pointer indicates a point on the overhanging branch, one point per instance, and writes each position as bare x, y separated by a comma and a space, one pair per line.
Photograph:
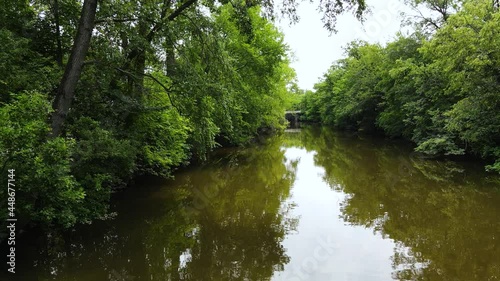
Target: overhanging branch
167, 89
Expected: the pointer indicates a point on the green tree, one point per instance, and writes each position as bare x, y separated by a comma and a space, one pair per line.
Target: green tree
136, 87
440, 92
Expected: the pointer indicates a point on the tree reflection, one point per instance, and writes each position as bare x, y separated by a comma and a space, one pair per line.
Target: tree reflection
221, 221
444, 216
226, 220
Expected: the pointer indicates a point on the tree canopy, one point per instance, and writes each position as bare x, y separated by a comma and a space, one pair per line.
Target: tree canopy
93, 93
441, 92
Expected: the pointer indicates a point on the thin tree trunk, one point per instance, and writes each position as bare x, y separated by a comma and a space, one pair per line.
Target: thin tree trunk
81, 44
137, 57
59, 54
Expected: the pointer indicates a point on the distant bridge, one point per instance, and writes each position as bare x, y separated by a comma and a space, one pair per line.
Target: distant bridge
293, 117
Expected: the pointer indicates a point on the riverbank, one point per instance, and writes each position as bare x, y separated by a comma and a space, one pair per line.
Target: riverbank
278, 203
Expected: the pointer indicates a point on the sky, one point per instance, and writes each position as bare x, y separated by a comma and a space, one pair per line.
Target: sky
314, 49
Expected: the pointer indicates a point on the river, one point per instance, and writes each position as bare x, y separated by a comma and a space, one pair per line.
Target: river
311, 204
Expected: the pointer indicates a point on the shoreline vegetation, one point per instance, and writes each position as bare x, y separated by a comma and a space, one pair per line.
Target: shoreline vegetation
438, 87
161, 85
95, 94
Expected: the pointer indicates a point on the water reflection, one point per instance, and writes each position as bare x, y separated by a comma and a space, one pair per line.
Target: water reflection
443, 216
311, 204
223, 221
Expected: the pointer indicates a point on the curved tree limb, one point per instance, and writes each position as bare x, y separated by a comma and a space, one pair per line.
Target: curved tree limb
66, 89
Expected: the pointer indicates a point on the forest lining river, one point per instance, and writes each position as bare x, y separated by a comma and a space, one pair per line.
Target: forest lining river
311, 204
95, 94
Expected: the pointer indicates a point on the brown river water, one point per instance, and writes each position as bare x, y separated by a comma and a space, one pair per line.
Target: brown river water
310, 204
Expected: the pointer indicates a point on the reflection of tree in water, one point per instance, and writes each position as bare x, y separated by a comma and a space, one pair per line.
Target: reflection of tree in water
223, 221
243, 222
444, 217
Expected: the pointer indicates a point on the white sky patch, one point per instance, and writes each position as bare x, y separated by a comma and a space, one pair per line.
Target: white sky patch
315, 49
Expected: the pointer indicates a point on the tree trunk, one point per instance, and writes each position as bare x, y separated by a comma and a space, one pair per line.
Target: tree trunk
59, 54
170, 59
137, 63
136, 60
81, 44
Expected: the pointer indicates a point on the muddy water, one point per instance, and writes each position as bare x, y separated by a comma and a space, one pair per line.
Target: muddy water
311, 204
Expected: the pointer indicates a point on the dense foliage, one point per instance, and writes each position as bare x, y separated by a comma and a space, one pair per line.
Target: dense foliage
442, 91
152, 94
93, 93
